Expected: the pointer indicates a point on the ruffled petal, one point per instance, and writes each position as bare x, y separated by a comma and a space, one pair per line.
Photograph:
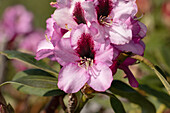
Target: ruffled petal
98, 32
64, 52
125, 9
72, 78
120, 34
89, 9
101, 77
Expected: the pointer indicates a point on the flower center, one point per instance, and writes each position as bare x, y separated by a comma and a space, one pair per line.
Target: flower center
103, 10
107, 21
85, 62
85, 50
78, 14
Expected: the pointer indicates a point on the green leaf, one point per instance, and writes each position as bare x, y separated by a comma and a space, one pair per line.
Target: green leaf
161, 76
161, 96
116, 104
29, 59
132, 95
36, 82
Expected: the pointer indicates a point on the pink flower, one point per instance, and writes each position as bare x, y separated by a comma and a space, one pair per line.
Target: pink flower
134, 47
46, 47
110, 20
29, 45
70, 16
30, 42
17, 20
84, 61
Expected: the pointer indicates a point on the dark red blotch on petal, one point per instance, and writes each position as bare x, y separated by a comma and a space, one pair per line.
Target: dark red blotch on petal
78, 14
86, 46
104, 8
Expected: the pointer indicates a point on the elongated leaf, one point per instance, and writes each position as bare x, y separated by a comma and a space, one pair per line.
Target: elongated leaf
161, 96
116, 104
36, 82
29, 59
161, 76
132, 95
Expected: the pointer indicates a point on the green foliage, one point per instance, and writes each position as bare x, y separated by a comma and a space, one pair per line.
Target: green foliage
29, 59
123, 90
116, 104
36, 82
161, 96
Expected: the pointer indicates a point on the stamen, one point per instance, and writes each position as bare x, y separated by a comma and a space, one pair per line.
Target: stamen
85, 62
66, 26
48, 38
108, 21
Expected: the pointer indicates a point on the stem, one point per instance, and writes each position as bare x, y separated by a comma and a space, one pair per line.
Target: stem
82, 102
53, 104
153, 67
72, 103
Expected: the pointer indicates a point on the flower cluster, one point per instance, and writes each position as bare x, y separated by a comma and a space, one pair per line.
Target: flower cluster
16, 32
87, 36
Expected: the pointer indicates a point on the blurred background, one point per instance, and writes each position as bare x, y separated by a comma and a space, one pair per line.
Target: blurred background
155, 14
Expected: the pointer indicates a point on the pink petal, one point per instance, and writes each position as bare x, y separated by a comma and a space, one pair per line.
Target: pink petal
44, 53
76, 34
143, 30
119, 34
72, 78
104, 54
132, 80
125, 9
64, 18
64, 52
45, 49
89, 9
101, 77
44, 44
137, 48
99, 32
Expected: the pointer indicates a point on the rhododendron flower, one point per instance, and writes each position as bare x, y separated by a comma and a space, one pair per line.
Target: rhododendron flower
110, 20
72, 15
16, 20
53, 35
35, 37
134, 47
138, 29
84, 61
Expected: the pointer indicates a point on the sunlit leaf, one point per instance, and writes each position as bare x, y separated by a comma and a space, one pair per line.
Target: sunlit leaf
29, 59
36, 82
123, 90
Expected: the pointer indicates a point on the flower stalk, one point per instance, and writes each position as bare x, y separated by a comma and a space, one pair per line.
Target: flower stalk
155, 68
